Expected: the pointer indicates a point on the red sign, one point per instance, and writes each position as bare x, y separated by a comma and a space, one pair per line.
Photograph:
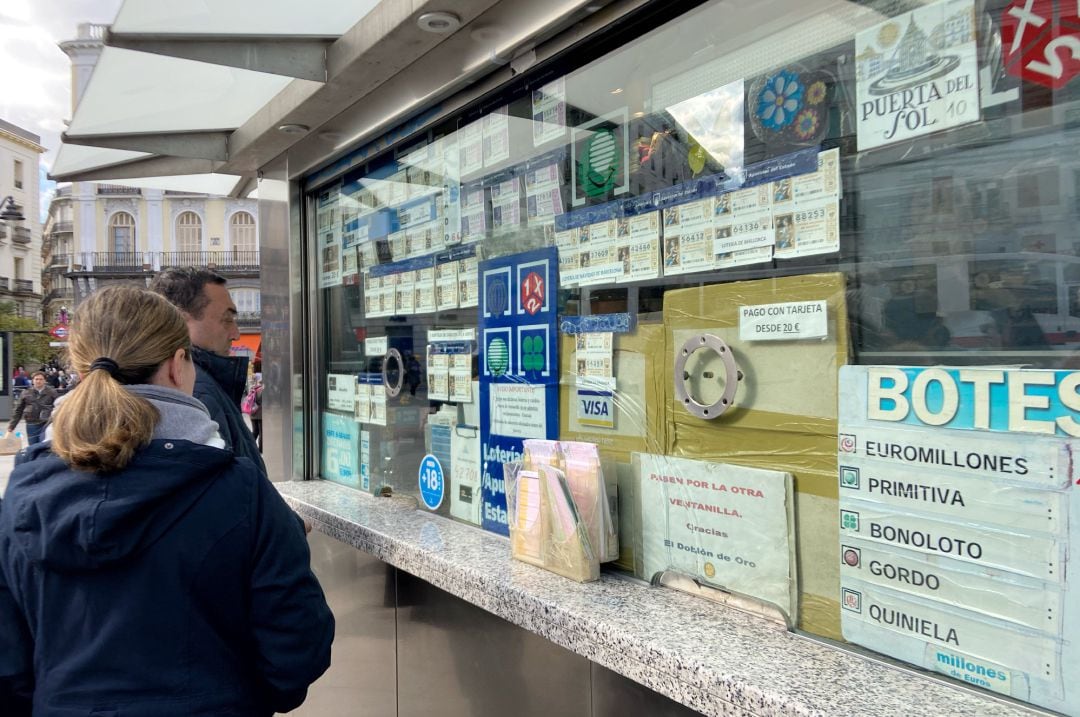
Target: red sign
1041, 40
59, 332
532, 293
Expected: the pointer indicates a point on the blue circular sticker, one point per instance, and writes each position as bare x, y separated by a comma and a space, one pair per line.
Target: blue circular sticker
432, 485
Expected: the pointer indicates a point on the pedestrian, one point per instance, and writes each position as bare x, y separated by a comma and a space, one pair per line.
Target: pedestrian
35, 405
255, 414
220, 379
144, 569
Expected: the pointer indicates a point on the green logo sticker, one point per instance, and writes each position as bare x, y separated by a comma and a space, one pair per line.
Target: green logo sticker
498, 357
600, 165
533, 353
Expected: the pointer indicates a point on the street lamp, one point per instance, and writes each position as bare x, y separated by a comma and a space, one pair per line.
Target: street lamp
10, 211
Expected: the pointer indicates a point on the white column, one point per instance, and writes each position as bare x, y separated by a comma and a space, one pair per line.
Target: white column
155, 220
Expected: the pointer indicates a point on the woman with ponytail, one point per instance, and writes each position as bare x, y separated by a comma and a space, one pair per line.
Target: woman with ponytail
144, 569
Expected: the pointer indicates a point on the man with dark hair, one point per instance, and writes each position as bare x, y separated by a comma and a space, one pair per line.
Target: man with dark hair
35, 405
220, 379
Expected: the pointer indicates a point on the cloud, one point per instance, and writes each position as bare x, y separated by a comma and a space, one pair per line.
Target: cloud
37, 73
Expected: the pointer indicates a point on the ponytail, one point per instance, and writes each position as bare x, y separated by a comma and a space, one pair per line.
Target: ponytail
100, 426
120, 335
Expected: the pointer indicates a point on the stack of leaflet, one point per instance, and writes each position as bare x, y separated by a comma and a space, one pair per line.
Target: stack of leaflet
559, 513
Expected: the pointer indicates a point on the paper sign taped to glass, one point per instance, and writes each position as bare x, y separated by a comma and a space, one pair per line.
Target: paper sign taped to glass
633, 403
722, 524
781, 410
958, 514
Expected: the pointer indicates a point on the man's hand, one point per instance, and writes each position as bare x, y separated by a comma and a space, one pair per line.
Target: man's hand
307, 527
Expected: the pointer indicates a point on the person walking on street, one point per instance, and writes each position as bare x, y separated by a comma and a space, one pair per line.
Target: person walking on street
144, 569
255, 414
35, 405
220, 379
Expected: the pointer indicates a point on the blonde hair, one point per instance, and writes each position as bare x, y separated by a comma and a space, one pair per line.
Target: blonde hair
100, 425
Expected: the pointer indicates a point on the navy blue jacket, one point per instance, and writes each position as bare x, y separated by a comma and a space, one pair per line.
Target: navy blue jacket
219, 383
178, 587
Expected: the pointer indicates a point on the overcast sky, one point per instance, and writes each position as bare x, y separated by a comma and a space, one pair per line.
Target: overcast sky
35, 93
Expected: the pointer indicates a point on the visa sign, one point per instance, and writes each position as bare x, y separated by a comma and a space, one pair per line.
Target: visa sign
596, 408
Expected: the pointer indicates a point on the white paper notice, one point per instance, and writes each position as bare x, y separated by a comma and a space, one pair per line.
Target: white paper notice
638, 247
465, 474
471, 148
341, 392
365, 460
376, 345
363, 402
378, 405
549, 112
725, 524
506, 204
438, 376
446, 286
917, 73
328, 230
468, 283
461, 378
496, 137
473, 214
518, 410
790, 321
593, 354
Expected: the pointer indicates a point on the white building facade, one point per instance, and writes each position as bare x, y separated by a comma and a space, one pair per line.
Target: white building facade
20, 242
98, 233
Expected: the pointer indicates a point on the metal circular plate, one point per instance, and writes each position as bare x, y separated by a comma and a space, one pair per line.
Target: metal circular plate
731, 379
392, 390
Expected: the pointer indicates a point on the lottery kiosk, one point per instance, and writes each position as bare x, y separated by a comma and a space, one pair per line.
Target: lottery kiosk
707, 357
805, 277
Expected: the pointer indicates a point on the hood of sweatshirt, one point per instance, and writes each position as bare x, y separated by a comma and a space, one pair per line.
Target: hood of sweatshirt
72, 520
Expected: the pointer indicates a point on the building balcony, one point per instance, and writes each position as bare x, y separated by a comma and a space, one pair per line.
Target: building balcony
63, 192
106, 264
21, 287
20, 235
59, 263
249, 320
66, 294
226, 262
114, 262
62, 227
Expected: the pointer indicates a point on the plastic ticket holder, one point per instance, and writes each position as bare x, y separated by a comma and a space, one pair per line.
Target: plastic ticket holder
523, 513
545, 528
580, 467
585, 476
566, 547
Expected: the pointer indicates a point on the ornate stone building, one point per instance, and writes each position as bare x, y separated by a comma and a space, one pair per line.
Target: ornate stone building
100, 233
20, 242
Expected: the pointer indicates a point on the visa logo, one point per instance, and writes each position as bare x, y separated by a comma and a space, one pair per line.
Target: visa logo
596, 408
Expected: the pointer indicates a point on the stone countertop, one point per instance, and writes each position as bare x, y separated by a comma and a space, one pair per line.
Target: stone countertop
713, 659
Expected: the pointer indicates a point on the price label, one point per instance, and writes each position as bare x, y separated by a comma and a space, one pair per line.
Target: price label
793, 320
432, 483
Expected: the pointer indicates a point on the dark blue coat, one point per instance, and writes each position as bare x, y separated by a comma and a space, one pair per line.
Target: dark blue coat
219, 383
178, 587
